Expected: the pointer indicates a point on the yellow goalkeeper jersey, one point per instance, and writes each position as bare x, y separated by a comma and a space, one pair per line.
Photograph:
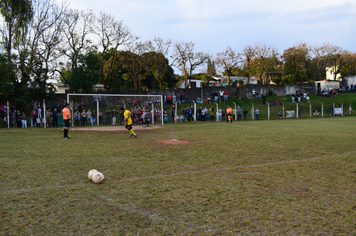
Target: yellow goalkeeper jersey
127, 115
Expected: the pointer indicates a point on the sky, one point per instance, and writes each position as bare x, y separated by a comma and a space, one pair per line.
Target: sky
213, 25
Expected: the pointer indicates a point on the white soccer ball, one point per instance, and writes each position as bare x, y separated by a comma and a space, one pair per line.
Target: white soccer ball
90, 173
98, 177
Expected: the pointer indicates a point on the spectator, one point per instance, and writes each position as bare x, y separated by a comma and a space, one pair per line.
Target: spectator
48, 118
100, 117
212, 112
24, 121
172, 114
83, 117
252, 111
114, 115
257, 112
77, 118
107, 116
239, 113
34, 117
245, 113
279, 114
55, 117
93, 117
89, 121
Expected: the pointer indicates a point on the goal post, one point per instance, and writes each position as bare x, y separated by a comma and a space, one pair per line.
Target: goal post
120, 103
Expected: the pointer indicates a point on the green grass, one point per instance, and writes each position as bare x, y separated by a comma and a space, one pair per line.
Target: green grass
279, 177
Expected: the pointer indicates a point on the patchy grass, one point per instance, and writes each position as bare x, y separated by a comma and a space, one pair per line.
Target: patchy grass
256, 177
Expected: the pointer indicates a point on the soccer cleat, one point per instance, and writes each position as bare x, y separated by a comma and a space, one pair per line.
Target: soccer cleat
66, 138
135, 136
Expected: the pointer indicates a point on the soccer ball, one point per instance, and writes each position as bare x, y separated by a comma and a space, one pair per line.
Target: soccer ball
91, 172
98, 177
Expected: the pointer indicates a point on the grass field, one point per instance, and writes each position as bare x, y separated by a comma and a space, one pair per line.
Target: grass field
279, 177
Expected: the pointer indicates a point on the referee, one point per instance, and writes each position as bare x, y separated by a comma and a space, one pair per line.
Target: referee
67, 121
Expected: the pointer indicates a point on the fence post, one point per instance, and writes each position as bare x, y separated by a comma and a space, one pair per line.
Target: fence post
333, 108
310, 109
153, 113
253, 111
195, 113
175, 113
297, 111
235, 112
97, 112
7, 114
269, 112
217, 112
283, 110
342, 109
322, 109
44, 114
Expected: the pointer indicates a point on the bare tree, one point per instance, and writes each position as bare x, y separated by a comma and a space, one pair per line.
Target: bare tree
249, 53
265, 55
78, 25
187, 60
112, 35
228, 60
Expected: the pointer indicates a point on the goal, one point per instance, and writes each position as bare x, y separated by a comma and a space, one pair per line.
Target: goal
102, 102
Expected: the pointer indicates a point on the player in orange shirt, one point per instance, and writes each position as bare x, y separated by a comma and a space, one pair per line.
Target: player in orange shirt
66, 119
229, 114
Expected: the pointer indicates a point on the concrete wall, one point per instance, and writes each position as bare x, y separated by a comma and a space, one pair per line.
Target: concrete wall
278, 90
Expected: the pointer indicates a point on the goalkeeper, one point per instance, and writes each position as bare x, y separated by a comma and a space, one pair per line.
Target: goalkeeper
128, 121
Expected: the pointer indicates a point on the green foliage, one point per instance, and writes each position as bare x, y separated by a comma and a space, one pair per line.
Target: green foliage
86, 74
6, 75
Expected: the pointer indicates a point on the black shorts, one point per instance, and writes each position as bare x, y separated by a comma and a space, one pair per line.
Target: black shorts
128, 127
66, 123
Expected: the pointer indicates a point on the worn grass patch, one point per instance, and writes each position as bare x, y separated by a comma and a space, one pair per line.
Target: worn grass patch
256, 177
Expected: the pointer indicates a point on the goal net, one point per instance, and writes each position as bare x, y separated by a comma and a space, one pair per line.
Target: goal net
104, 109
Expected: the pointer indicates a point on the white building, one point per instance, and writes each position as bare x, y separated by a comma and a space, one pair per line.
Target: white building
196, 83
223, 79
330, 72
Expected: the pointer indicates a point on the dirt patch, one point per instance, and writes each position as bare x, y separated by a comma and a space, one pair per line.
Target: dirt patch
114, 128
172, 141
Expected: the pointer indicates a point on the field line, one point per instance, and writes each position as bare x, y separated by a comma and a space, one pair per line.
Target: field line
172, 174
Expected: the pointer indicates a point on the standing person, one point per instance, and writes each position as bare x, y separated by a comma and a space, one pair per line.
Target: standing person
48, 118
55, 117
165, 116
279, 114
114, 115
245, 113
172, 115
257, 112
107, 116
128, 121
34, 117
93, 117
212, 112
66, 119
229, 114
252, 111
239, 113
24, 121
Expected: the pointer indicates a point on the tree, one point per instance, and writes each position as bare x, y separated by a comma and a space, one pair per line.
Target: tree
156, 61
17, 15
86, 74
228, 60
6, 75
78, 25
187, 60
111, 35
265, 58
295, 59
249, 53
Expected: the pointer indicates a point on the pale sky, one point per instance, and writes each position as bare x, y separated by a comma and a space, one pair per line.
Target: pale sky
213, 25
